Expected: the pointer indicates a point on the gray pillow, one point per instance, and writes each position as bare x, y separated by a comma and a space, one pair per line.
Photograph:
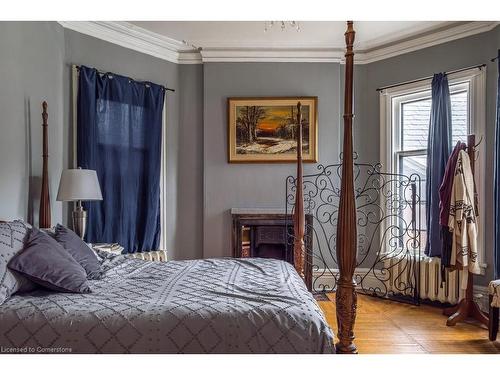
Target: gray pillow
13, 236
79, 250
46, 263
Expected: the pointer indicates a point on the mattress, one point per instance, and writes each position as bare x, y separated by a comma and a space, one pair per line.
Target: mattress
200, 306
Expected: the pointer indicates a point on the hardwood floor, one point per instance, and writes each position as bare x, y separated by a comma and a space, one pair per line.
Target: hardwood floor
387, 327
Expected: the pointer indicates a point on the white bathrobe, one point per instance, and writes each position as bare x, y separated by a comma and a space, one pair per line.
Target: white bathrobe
463, 219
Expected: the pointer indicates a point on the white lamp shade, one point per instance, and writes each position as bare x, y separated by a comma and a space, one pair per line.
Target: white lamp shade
79, 185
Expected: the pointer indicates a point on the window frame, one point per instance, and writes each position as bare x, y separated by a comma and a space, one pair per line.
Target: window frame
390, 128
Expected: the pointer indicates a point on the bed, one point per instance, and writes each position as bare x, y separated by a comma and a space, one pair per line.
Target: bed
200, 306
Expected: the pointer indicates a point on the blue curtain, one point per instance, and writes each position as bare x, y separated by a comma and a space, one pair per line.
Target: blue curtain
119, 136
496, 179
438, 152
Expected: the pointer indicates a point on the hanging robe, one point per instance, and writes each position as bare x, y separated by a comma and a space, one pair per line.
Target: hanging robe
462, 220
444, 207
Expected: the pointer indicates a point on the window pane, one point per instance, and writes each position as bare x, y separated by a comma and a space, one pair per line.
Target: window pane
415, 118
459, 116
414, 132
409, 165
413, 164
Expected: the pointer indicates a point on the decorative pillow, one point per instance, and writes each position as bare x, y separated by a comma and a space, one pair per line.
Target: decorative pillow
79, 250
13, 236
46, 263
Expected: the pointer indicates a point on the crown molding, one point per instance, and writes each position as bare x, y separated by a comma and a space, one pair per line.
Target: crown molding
193, 57
271, 55
136, 38
428, 40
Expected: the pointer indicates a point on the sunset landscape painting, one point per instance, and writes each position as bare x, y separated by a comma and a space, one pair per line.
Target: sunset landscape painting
265, 129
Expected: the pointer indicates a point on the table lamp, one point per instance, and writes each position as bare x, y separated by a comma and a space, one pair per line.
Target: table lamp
79, 185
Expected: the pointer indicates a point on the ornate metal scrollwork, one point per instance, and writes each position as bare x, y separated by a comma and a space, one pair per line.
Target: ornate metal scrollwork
389, 229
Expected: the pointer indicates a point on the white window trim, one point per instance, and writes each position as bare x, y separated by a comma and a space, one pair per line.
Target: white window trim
163, 172
477, 116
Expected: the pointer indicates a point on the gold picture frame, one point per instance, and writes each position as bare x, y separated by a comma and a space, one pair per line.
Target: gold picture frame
263, 129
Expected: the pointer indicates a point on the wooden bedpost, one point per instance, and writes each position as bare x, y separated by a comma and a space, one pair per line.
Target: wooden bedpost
298, 214
346, 298
44, 213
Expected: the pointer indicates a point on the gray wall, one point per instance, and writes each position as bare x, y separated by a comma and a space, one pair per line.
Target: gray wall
189, 242
35, 65
203, 187
257, 185
31, 71
457, 54
184, 110
253, 185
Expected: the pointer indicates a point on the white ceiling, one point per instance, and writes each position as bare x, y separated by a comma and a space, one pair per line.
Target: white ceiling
313, 34
244, 41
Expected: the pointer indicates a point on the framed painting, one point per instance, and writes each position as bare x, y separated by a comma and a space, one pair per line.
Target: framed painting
264, 130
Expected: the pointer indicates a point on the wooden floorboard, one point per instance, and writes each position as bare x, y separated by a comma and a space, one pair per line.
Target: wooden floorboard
388, 327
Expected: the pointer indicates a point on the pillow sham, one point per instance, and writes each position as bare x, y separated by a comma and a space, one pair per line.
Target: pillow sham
13, 236
79, 250
45, 262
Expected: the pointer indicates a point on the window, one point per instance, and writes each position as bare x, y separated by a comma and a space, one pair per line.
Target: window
114, 139
405, 115
413, 112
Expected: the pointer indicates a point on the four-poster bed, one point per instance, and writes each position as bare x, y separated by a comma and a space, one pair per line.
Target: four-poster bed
189, 303
346, 299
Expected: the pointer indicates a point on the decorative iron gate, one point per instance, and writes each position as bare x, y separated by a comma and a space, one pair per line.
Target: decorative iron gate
389, 229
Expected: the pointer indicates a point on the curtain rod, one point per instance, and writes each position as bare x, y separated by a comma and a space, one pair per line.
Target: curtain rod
101, 72
480, 66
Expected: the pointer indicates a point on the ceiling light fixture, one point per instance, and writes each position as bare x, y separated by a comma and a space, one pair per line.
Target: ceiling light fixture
268, 25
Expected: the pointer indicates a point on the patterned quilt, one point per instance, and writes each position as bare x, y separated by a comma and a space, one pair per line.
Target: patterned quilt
200, 306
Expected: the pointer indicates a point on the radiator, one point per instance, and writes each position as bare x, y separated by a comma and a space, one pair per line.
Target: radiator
402, 270
153, 256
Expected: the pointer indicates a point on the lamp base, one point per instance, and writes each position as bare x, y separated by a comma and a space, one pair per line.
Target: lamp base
79, 221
